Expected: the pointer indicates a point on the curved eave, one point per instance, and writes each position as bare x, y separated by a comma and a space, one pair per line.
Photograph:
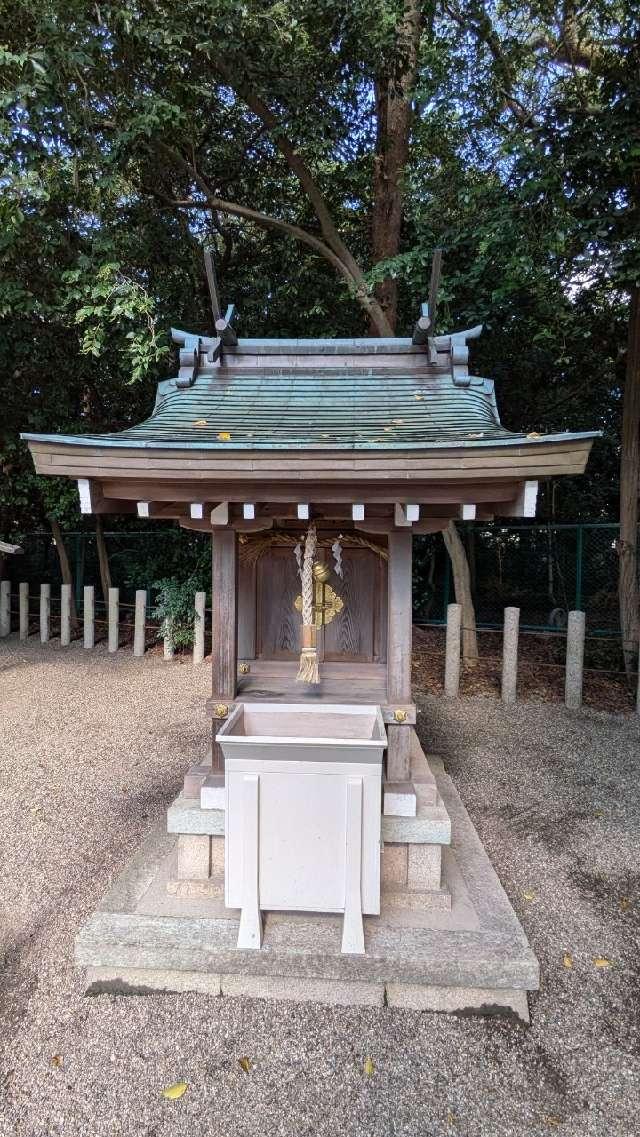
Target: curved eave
113, 442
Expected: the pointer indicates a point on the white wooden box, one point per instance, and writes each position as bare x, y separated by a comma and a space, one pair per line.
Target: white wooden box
303, 758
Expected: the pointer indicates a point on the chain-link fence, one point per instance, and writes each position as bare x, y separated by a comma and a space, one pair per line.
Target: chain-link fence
545, 570
137, 559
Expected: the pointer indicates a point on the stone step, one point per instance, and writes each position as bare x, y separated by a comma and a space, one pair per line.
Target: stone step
473, 956
430, 826
195, 889
395, 896
186, 816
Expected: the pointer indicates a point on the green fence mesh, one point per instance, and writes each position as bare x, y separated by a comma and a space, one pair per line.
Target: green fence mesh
545, 570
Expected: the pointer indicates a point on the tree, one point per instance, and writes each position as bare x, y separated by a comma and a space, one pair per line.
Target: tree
561, 83
303, 141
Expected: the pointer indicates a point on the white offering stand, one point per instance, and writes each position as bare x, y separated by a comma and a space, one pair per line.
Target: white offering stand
302, 815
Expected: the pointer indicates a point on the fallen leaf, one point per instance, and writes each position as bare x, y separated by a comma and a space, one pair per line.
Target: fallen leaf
368, 1067
598, 813
172, 1093
245, 1064
529, 895
601, 961
567, 959
420, 397
534, 434
624, 903
451, 1118
552, 1120
201, 422
224, 435
56, 1060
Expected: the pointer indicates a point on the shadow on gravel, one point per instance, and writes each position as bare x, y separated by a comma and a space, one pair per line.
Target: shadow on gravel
19, 978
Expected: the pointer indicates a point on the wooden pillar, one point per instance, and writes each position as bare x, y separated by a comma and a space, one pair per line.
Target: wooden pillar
399, 633
224, 628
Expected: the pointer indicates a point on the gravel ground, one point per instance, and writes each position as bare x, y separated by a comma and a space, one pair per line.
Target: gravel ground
93, 748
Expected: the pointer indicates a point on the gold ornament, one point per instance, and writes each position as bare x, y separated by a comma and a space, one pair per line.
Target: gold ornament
326, 603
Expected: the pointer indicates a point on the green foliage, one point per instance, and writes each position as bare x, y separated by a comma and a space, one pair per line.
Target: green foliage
109, 299
175, 609
116, 122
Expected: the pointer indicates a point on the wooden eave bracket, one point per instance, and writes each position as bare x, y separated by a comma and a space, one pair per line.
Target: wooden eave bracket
405, 515
525, 503
92, 499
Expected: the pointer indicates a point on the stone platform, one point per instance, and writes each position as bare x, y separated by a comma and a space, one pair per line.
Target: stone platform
469, 956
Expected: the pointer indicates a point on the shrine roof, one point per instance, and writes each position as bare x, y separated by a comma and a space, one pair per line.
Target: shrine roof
341, 408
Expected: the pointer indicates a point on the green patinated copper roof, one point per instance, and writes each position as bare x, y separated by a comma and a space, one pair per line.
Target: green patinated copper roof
285, 411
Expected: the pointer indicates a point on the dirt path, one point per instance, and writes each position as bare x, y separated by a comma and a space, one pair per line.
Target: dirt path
93, 747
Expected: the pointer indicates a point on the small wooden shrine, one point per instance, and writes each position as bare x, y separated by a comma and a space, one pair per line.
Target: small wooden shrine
313, 463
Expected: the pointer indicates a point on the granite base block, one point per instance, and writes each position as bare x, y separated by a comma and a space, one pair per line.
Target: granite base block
472, 957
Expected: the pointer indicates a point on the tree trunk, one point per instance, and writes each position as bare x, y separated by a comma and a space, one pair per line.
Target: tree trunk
393, 109
65, 568
462, 585
628, 592
103, 560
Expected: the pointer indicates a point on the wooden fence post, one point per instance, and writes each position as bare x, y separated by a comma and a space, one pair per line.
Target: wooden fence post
45, 613
65, 615
139, 623
89, 611
452, 651
510, 655
574, 660
198, 628
23, 589
5, 607
114, 619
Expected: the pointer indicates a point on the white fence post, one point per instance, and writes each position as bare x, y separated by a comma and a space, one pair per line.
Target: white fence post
114, 619
23, 590
510, 654
5, 607
45, 613
198, 628
452, 651
139, 622
65, 615
89, 616
169, 646
574, 660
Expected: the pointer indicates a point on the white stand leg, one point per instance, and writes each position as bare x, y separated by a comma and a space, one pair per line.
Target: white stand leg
352, 927
250, 931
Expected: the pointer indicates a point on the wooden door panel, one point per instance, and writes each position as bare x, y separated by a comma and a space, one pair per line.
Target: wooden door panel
350, 636
358, 634
278, 623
